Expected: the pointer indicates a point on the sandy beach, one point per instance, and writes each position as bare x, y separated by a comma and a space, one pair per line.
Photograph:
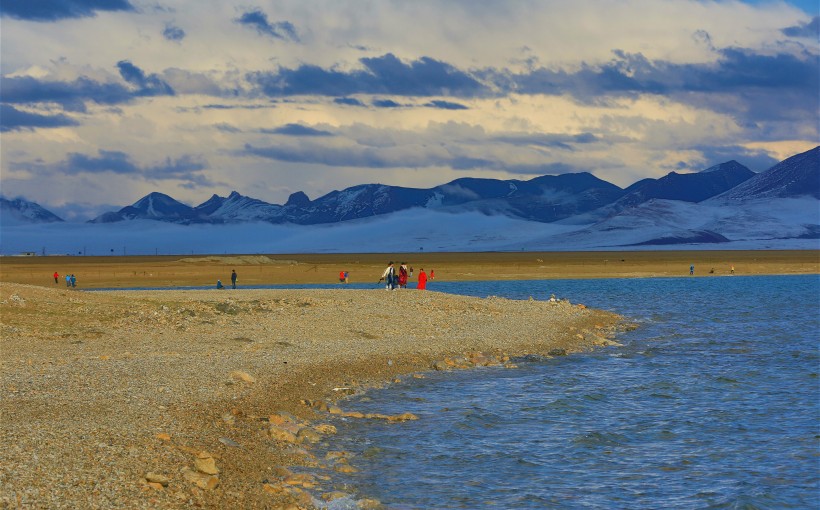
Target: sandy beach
215, 399
202, 270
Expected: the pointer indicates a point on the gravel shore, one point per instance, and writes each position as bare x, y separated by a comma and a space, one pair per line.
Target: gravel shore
213, 399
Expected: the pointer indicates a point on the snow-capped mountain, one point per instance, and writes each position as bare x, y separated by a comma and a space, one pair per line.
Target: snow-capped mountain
547, 198
776, 209
21, 211
796, 176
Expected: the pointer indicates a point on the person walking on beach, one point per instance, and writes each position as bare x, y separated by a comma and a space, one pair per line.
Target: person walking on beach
219, 285
68, 281
692, 269
388, 276
403, 275
432, 274
422, 285
233, 278
73, 281
732, 271
56, 277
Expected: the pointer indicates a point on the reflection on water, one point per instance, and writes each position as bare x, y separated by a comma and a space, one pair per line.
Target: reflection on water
713, 403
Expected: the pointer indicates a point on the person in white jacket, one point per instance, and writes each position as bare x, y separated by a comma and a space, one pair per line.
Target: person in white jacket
389, 277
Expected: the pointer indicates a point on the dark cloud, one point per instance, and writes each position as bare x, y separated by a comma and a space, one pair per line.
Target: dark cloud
71, 95
809, 30
350, 101
147, 85
559, 141
227, 128
382, 75
385, 103
446, 105
186, 168
12, 119
296, 130
259, 20
55, 10
173, 32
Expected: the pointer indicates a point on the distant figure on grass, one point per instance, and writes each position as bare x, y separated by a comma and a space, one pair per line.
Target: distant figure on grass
389, 276
219, 285
432, 274
343, 276
56, 277
422, 280
68, 280
73, 281
233, 278
692, 269
403, 275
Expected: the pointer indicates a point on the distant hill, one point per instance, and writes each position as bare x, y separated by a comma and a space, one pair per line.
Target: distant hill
796, 176
21, 211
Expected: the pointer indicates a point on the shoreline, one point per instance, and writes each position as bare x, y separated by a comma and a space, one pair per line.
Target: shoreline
124, 398
265, 269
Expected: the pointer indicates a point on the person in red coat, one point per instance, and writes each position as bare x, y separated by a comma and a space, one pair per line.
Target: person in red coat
422, 280
403, 275
56, 277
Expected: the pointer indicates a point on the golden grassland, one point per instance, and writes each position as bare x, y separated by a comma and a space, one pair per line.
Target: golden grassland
204, 270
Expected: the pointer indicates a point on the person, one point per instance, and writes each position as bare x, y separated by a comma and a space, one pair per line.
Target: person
732, 271
219, 284
68, 280
403, 275
56, 277
692, 269
346, 275
432, 274
388, 276
341, 276
411, 271
553, 299
73, 281
233, 278
422, 285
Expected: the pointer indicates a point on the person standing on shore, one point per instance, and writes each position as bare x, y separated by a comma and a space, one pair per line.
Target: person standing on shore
388, 276
73, 281
233, 278
432, 274
56, 277
692, 269
68, 280
403, 275
422, 285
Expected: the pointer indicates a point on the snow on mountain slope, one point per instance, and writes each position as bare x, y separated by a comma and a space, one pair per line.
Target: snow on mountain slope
22, 212
796, 176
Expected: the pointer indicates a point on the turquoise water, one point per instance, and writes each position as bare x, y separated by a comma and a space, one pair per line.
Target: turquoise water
714, 402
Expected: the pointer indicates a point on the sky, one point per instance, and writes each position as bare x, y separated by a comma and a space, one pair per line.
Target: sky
105, 101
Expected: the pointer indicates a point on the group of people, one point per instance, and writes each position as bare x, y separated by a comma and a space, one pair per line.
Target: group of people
233, 280
398, 280
70, 280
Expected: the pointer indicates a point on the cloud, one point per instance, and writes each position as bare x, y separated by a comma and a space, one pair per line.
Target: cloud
385, 103
12, 119
809, 30
55, 10
259, 20
296, 130
173, 32
446, 105
559, 141
71, 95
381, 75
349, 101
185, 168
150, 85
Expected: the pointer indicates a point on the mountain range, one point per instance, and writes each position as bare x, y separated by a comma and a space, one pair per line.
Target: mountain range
722, 204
